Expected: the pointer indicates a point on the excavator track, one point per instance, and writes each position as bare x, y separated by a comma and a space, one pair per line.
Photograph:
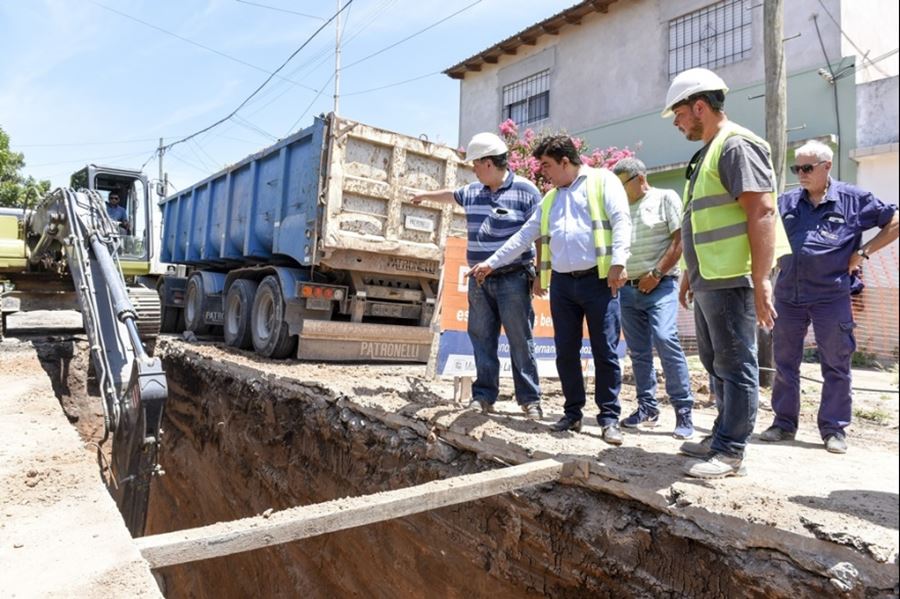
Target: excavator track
149, 315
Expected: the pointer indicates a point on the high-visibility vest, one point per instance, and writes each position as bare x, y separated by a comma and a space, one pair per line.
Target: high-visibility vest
718, 223
602, 231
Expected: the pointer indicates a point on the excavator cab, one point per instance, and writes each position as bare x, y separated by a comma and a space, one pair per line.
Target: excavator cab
131, 212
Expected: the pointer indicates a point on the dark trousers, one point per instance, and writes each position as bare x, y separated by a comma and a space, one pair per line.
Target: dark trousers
572, 300
833, 325
725, 322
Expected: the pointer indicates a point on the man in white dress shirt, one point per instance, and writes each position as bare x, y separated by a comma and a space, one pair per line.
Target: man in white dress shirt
585, 230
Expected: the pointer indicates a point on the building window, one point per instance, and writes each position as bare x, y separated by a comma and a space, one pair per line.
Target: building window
528, 100
711, 37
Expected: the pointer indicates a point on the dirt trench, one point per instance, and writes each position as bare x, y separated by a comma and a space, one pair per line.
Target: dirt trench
239, 441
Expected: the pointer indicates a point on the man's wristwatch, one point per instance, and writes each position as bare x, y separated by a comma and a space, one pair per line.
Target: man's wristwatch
862, 253
656, 273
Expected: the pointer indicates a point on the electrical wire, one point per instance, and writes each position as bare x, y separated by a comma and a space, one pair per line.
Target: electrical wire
837, 112
409, 37
404, 82
198, 44
293, 12
310, 105
863, 55
263, 84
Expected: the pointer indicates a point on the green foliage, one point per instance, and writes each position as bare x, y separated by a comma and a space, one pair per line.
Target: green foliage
863, 359
15, 190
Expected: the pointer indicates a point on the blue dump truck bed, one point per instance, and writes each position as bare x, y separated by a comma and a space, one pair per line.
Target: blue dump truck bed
316, 233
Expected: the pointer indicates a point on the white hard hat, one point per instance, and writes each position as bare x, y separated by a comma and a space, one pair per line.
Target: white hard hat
485, 144
690, 82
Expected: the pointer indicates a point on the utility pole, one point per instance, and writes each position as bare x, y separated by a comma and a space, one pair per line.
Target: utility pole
776, 135
337, 57
161, 186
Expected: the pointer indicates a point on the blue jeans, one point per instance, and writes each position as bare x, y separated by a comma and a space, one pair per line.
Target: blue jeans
650, 320
572, 300
725, 320
503, 299
833, 325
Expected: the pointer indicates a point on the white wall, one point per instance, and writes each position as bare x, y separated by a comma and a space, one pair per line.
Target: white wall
878, 173
615, 65
872, 25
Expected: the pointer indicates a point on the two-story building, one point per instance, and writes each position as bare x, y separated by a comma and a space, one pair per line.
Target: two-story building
600, 70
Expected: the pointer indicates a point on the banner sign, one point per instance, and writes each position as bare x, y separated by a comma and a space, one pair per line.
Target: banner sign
455, 356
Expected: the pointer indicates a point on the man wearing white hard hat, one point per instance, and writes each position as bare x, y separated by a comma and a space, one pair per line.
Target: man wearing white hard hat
496, 207
732, 234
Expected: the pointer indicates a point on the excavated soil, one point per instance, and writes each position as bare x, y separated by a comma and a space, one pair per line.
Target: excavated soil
244, 436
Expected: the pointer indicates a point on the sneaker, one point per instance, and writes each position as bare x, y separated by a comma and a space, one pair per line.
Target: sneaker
479, 405
697, 450
774, 434
612, 434
684, 424
533, 410
566, 424
717, 465
648, 418
836, 443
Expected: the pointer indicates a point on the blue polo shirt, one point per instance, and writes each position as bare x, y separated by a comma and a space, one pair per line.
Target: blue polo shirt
823, 239
493, 217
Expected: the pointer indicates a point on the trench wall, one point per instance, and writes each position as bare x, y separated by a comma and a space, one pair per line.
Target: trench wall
238, 442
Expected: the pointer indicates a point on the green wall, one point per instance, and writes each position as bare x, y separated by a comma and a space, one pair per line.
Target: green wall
810, 114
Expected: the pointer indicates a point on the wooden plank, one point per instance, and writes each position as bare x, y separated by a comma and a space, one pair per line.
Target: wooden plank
226, 538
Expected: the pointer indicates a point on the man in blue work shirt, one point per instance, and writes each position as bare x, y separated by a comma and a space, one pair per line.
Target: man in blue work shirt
116, 212
824, 220
586, 229
496, 207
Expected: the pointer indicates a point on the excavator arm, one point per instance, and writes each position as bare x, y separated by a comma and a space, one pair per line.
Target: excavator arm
132, 383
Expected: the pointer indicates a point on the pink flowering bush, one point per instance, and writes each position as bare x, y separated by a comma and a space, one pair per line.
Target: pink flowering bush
523, 163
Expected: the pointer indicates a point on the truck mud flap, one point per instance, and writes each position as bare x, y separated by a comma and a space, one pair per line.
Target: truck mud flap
330, 340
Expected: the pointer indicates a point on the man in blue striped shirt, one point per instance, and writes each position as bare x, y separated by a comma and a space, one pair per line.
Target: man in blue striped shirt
496, 207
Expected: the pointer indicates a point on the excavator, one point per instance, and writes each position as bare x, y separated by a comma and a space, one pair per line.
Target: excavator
82, 249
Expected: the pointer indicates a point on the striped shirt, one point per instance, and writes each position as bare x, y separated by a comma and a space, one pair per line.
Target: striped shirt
493, 217
653, 220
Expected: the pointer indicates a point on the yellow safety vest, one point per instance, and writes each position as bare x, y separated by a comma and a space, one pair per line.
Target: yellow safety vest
718, 223
599, 223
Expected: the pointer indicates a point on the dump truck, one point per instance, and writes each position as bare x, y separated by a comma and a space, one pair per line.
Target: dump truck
312, 248
68, 252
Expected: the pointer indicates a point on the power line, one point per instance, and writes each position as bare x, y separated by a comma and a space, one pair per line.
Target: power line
405, 81
299, 118
85, 159
86, 143
863, 55
293, 12
193, 43
263, 84
409, 37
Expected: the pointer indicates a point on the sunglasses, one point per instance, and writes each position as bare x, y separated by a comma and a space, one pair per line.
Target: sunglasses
629, 179
805, 168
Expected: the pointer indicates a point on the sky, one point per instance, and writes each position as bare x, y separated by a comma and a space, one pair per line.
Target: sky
100, 81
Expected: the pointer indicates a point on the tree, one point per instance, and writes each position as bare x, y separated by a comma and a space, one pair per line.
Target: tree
523, 163
17, 191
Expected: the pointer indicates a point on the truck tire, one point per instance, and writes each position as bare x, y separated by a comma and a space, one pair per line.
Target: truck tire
238, 306
268, 329
194, 298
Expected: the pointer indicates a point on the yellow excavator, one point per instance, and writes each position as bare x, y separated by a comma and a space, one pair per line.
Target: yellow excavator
89, 247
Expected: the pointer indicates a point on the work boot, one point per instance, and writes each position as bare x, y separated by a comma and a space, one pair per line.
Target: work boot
697, 450
612, 434
717, 465
480, 405
566, 424
836, 443
533, 410
775, 434
647, 417
684, 424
